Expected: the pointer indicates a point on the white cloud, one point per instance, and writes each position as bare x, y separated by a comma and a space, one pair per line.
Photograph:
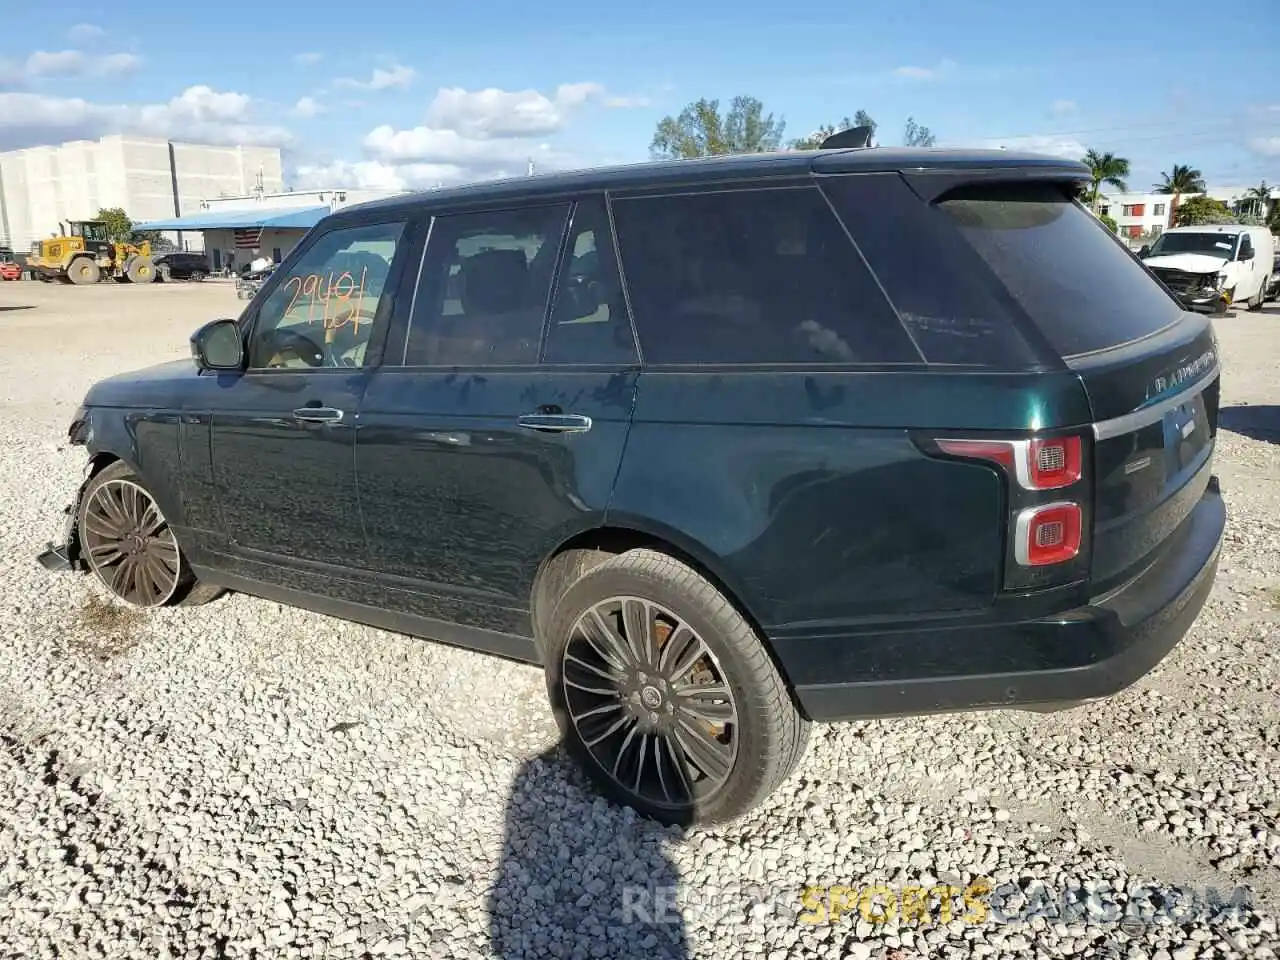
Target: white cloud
494, 113
1062, 108
1058, 146
44, 63
308, 107
1267, 146
307, 59
198, 114
396, 76
375, 175
114, 64
85, 33
925, 73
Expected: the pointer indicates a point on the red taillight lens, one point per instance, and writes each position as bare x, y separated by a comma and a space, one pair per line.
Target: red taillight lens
1041, 464
998, 451
1053, 463
1048, 534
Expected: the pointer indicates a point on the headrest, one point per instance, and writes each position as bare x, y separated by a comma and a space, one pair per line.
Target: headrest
493, 281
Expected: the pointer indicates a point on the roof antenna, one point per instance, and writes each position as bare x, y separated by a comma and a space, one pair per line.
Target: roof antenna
853, 137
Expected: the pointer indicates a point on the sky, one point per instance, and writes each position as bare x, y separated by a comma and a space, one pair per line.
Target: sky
405, 94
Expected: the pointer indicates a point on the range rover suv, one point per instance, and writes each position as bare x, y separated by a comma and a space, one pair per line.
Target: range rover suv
728, 446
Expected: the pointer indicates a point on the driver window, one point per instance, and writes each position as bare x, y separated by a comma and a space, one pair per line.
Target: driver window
323, 310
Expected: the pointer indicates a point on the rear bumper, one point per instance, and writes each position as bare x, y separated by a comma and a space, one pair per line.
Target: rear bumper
1084, 654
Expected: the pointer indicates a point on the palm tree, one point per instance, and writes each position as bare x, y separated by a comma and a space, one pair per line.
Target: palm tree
1181, 180
1259, 198
1105, 168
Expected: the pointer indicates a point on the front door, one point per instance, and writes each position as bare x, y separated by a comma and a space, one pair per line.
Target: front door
500, 431
283, 432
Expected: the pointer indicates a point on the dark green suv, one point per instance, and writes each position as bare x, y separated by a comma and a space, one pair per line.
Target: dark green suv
728, 446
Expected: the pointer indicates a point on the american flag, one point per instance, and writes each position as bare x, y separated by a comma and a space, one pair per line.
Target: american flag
247, 238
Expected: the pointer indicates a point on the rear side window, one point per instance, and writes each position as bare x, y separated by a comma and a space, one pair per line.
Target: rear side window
1079, 286
752, 276
484, 287
942, 291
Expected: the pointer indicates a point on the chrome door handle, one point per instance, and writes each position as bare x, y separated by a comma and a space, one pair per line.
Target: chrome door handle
555, 422
318, 414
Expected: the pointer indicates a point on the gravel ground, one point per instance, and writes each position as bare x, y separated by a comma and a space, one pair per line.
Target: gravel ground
246, 779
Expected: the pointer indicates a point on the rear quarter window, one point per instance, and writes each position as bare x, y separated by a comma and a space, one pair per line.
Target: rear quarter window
1082, 289
752, 276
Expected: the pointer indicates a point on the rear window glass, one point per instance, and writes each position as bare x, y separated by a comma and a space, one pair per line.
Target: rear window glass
1081, 287
752, 276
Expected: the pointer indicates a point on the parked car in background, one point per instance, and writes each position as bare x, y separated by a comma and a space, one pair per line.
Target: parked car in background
1273, 288
10, 268
727, 447
1210, 268
182, 266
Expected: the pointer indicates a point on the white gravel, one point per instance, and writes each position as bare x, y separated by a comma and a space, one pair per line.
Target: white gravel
250, 780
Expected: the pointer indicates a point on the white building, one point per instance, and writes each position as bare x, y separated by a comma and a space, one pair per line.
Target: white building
148, 178
1149, 214
236, 230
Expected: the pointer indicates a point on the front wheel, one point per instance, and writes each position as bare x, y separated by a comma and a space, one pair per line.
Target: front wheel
665, 694
130, 546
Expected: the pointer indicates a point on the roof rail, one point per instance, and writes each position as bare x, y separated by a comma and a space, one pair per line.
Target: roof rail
853, 137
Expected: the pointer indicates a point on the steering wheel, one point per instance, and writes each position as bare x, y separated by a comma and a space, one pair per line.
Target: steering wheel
281, 344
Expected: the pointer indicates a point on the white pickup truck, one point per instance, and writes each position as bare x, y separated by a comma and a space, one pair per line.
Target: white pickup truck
1211, 267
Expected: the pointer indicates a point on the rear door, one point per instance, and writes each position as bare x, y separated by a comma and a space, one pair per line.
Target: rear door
1150, 369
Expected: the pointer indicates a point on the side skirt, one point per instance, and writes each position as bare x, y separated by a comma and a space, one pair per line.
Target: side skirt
508, 646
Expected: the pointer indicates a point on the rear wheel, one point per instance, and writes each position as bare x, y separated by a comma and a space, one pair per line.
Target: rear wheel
130, 546
1257, 302
664, 693
84, 271
140, 270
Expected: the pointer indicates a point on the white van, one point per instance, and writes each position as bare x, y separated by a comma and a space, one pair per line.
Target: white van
1212, 267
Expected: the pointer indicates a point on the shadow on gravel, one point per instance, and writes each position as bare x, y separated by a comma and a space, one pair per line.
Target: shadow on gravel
1260, 421
579, 877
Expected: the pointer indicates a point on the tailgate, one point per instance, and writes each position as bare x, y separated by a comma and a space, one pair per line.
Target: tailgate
1155, 404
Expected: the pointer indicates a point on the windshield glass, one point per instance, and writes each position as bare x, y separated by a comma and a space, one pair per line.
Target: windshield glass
1213, 244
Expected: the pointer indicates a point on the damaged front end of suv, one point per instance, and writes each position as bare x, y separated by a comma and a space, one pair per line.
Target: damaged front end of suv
65, 554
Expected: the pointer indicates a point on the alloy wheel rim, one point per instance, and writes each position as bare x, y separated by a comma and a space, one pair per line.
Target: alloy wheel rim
130, 545
650, 702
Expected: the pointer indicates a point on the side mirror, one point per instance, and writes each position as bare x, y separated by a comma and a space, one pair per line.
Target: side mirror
1146, 249
217, 346
1244, 255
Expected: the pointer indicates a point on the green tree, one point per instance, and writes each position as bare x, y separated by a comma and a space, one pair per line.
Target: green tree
118, 225
1202, 210
1109, 223
1105, 168
915, 135
1181, 179
701, 130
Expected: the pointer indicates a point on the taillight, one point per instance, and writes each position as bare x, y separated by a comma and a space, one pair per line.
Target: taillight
1048, 534
1048, 497
1040, 464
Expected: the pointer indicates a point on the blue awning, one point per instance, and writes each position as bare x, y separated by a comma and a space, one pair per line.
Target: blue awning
289, 218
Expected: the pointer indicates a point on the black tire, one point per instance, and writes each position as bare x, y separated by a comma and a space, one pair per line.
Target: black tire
111, 498
162, 273
766, 736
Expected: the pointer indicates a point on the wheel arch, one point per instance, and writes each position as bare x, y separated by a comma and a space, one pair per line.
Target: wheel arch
588, 548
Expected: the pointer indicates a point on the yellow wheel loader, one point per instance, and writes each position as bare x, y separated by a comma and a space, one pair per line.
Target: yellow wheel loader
82, 254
